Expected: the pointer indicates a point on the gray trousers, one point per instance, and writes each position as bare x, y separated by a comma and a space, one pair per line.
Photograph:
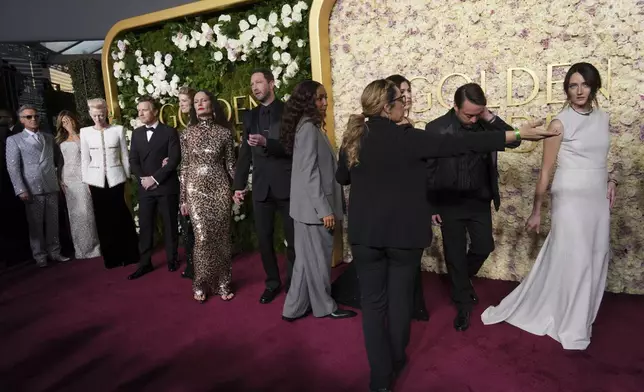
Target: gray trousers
311, 281
42, 216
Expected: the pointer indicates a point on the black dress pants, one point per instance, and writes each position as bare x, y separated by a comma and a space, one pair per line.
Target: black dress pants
386, 277
473, 217
264, 213
115, 226
168, 207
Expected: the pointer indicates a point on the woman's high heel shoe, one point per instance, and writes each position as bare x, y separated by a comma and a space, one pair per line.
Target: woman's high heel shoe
200, 296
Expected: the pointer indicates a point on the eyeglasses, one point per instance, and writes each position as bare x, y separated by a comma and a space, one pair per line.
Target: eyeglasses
31, 117
402, 99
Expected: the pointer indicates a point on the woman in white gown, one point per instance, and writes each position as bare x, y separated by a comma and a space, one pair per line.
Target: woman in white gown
77, 195
560, 296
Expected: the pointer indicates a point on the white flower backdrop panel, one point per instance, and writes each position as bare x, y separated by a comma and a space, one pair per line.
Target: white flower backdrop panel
483, 40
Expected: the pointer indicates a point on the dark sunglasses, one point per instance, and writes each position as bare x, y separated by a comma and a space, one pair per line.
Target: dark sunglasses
31, 117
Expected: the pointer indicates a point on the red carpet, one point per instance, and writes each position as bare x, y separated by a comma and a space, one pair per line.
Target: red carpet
79, 327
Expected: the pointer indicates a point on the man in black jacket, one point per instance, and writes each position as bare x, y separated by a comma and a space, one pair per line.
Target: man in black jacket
271, 177
461, 189
158, 183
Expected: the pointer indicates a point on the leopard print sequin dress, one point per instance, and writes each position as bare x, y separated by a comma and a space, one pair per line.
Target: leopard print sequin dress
206, 176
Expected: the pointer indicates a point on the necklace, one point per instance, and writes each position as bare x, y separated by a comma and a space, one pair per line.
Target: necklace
583, 113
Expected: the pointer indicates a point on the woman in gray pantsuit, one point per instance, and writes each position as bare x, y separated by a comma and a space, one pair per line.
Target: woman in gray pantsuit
316, 203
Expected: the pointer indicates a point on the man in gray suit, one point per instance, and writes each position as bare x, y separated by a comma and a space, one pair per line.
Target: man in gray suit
316, 207
32, 160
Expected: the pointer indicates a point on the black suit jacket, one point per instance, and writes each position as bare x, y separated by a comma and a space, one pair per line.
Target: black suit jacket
388, 204
271, 163
146, 159
446, 124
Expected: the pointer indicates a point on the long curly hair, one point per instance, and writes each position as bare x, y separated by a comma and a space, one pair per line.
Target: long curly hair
375, 97
61, 132
217, 111
300, 104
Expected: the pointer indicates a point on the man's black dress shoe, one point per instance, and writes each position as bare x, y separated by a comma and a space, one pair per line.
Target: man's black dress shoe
269, 295
462, 320
341, 314
140, 272
291, 319
421, 315
173, 266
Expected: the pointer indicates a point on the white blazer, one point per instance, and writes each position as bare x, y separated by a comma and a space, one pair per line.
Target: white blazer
104, 155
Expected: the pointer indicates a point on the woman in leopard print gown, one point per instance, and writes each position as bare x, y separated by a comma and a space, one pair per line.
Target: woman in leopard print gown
206, 195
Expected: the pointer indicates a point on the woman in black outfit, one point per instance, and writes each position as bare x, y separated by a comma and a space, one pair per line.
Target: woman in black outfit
345, 289
389, 217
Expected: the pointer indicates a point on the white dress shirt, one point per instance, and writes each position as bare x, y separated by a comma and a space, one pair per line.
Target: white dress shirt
150, 133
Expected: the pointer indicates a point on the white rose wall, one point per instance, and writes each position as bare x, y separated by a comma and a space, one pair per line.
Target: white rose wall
519, 51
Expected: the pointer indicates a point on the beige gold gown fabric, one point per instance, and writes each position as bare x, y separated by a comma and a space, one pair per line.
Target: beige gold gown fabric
206, 176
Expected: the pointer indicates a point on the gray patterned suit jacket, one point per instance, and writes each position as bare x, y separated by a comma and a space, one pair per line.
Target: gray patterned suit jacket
32, 167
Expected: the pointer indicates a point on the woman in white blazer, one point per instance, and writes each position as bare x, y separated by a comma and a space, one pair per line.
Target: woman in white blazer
105, 168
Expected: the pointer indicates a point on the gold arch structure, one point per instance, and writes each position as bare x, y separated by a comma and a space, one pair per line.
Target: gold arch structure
319, 44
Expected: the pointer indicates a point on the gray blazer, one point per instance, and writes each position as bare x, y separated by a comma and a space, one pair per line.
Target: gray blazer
32, 168
314, 191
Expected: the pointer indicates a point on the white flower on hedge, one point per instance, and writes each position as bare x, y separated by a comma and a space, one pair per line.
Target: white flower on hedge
119, 83
301, 43
205, 28
121, 55
126, 42
246, 37
139, 60
115, 56
258, 41
168, 60
286, 21
151, 69
276, 72
272, 19
286, 10
158, 55
286, 58
297, 17
277, 41
292, 69
276, 56
218, 56
149, 88
232, 56
181, 41
121, 45
243, 57
286, 97
224, 18
285, 41
262, 24
302, 5
140, 90
243, 25
117, 73
193, 43
158, 61
277, 83
138, 53
252, 19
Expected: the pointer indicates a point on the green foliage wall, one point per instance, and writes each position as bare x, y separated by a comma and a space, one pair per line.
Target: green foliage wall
216, 52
